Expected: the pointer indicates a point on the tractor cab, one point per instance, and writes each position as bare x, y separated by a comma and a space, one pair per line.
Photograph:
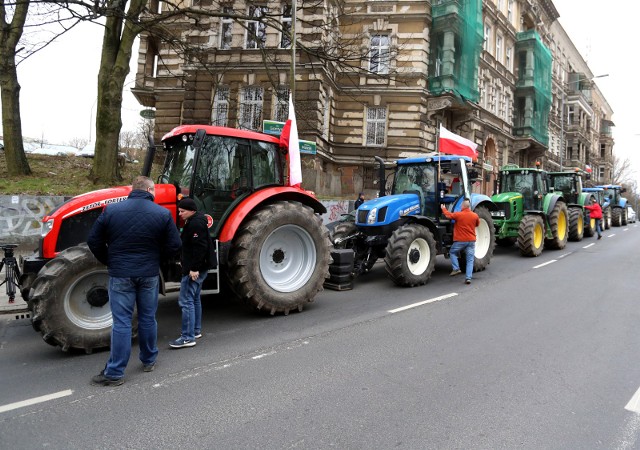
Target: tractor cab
220, 168
569, 184
532, 184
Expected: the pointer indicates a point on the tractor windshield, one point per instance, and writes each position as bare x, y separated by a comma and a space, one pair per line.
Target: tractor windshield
420, 180
564, 183
612, 195
522, 182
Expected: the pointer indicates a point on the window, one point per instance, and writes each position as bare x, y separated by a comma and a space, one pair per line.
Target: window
510, 10
281, 104
603, 150
508, 61
376, 124
570, 115
326, 116
379, 62
499, 49
601, 173
285, 37
487, 38
251, 108
220, 112
500, 5
226, 30
256, 30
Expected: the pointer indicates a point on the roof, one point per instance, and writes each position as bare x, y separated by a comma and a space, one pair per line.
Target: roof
609, 186
221, 131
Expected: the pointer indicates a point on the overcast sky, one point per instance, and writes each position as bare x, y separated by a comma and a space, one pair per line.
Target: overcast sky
59, 84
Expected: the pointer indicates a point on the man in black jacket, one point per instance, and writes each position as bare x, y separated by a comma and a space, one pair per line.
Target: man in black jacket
131, 238
195, 249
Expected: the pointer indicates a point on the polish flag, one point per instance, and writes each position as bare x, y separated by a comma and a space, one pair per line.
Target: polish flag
289, 139
588, 168
456, 145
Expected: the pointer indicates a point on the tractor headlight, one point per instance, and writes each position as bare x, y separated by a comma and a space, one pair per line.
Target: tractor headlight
46, 227
497, 213
371, 217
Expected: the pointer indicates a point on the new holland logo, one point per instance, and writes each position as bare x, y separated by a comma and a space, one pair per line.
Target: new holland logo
409, 210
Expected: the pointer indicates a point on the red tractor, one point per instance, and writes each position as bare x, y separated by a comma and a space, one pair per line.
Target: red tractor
272, 246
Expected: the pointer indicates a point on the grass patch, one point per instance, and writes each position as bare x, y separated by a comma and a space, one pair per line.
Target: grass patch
57, 175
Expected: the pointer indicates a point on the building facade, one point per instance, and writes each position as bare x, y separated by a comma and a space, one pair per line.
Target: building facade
377, 78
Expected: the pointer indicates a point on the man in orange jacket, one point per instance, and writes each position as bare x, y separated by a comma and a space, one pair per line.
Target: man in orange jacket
464, 237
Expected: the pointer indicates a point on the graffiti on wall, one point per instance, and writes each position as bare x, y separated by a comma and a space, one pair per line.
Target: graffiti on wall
21, 216
335, 210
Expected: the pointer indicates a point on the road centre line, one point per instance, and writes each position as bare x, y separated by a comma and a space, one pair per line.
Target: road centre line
544, 264
634, 403
415, 305
36, 400
590, 245
566, 254
611, 235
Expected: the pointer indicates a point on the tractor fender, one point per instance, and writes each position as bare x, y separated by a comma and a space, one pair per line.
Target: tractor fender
623, 202
265, 196
552, 203
482, 200
425, 222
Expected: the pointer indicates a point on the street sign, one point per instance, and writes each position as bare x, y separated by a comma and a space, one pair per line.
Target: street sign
272, 127
307, 147
148, 113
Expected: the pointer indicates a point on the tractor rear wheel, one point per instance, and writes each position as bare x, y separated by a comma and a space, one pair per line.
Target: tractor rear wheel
279, 258
558, 223
70, 301
410, 255
606, 218
531, 235
485, 240
590, 227
576, 224
616, 217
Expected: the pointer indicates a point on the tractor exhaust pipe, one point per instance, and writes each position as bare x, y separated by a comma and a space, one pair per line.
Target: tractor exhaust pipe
148, 159
381, 177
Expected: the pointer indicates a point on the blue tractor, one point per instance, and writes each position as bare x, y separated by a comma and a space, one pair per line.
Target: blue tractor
616, 203
407, 228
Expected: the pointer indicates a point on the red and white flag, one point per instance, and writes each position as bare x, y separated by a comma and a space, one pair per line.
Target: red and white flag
289, 139
453, 144
588, 168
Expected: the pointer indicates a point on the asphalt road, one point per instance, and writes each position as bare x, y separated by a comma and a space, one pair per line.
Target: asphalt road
535, 353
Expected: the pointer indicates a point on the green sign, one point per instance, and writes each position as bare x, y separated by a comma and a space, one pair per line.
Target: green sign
307, 147
148, 113
272, 127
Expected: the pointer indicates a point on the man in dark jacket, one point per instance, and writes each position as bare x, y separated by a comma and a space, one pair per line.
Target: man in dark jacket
195, 249
131, 238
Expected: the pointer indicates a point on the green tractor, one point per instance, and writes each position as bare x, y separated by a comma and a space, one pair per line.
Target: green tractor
569, 184
528, 212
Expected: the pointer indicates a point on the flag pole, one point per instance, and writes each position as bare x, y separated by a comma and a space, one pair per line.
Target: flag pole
292, 81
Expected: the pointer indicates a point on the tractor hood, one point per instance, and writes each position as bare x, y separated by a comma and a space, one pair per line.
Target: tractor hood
386, 210
505, 197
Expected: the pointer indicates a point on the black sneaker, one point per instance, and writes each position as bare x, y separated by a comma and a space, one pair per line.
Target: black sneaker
467, 281
599, 237
102, 380
181, 343
198, 334
148, 367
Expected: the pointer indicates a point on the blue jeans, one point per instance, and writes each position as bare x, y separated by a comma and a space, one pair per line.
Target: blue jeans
470, 249
124, 294
599, 226
189, 301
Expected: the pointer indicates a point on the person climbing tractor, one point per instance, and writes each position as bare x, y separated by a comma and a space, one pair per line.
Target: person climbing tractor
464, 238
595, 212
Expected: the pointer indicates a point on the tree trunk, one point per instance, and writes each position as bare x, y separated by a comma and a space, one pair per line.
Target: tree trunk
10, 34
117, 44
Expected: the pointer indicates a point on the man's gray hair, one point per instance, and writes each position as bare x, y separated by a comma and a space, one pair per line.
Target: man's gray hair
142, 183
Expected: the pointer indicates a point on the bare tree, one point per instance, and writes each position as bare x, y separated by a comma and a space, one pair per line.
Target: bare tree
622, 170
78, 142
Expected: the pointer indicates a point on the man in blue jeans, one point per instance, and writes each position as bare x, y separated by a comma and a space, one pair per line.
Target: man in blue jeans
464, 238
131, 238
195, 249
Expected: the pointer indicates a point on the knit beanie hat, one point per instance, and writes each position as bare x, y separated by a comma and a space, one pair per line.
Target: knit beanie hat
187, 204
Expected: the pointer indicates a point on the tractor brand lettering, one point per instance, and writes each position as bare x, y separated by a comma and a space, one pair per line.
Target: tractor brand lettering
410, 209
102, 202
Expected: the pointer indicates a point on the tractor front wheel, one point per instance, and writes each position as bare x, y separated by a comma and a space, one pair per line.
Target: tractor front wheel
70, 301
531, 235
616, 217
485, 240
558, 223
576, 224
280, 258
590, 226
410, 255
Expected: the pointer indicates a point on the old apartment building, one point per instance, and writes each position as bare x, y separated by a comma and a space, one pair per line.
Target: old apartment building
377, 77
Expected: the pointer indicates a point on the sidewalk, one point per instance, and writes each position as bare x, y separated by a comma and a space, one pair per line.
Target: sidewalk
8, 308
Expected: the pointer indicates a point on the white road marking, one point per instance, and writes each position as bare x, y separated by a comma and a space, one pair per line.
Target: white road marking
626, 229
263, 355
414, 305
587, 246
36, 400
566, 254
634, 403
544, 264
611, 235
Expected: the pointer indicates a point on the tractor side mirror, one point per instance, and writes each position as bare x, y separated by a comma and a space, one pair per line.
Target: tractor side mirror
456, 166
474, 174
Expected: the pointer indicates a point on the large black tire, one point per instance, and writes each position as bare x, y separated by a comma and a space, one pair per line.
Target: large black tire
279, 258
410, 255
70, 301
624, 217
559, 225
616, 217
590, 225
531, 235
485, 240
576, 224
